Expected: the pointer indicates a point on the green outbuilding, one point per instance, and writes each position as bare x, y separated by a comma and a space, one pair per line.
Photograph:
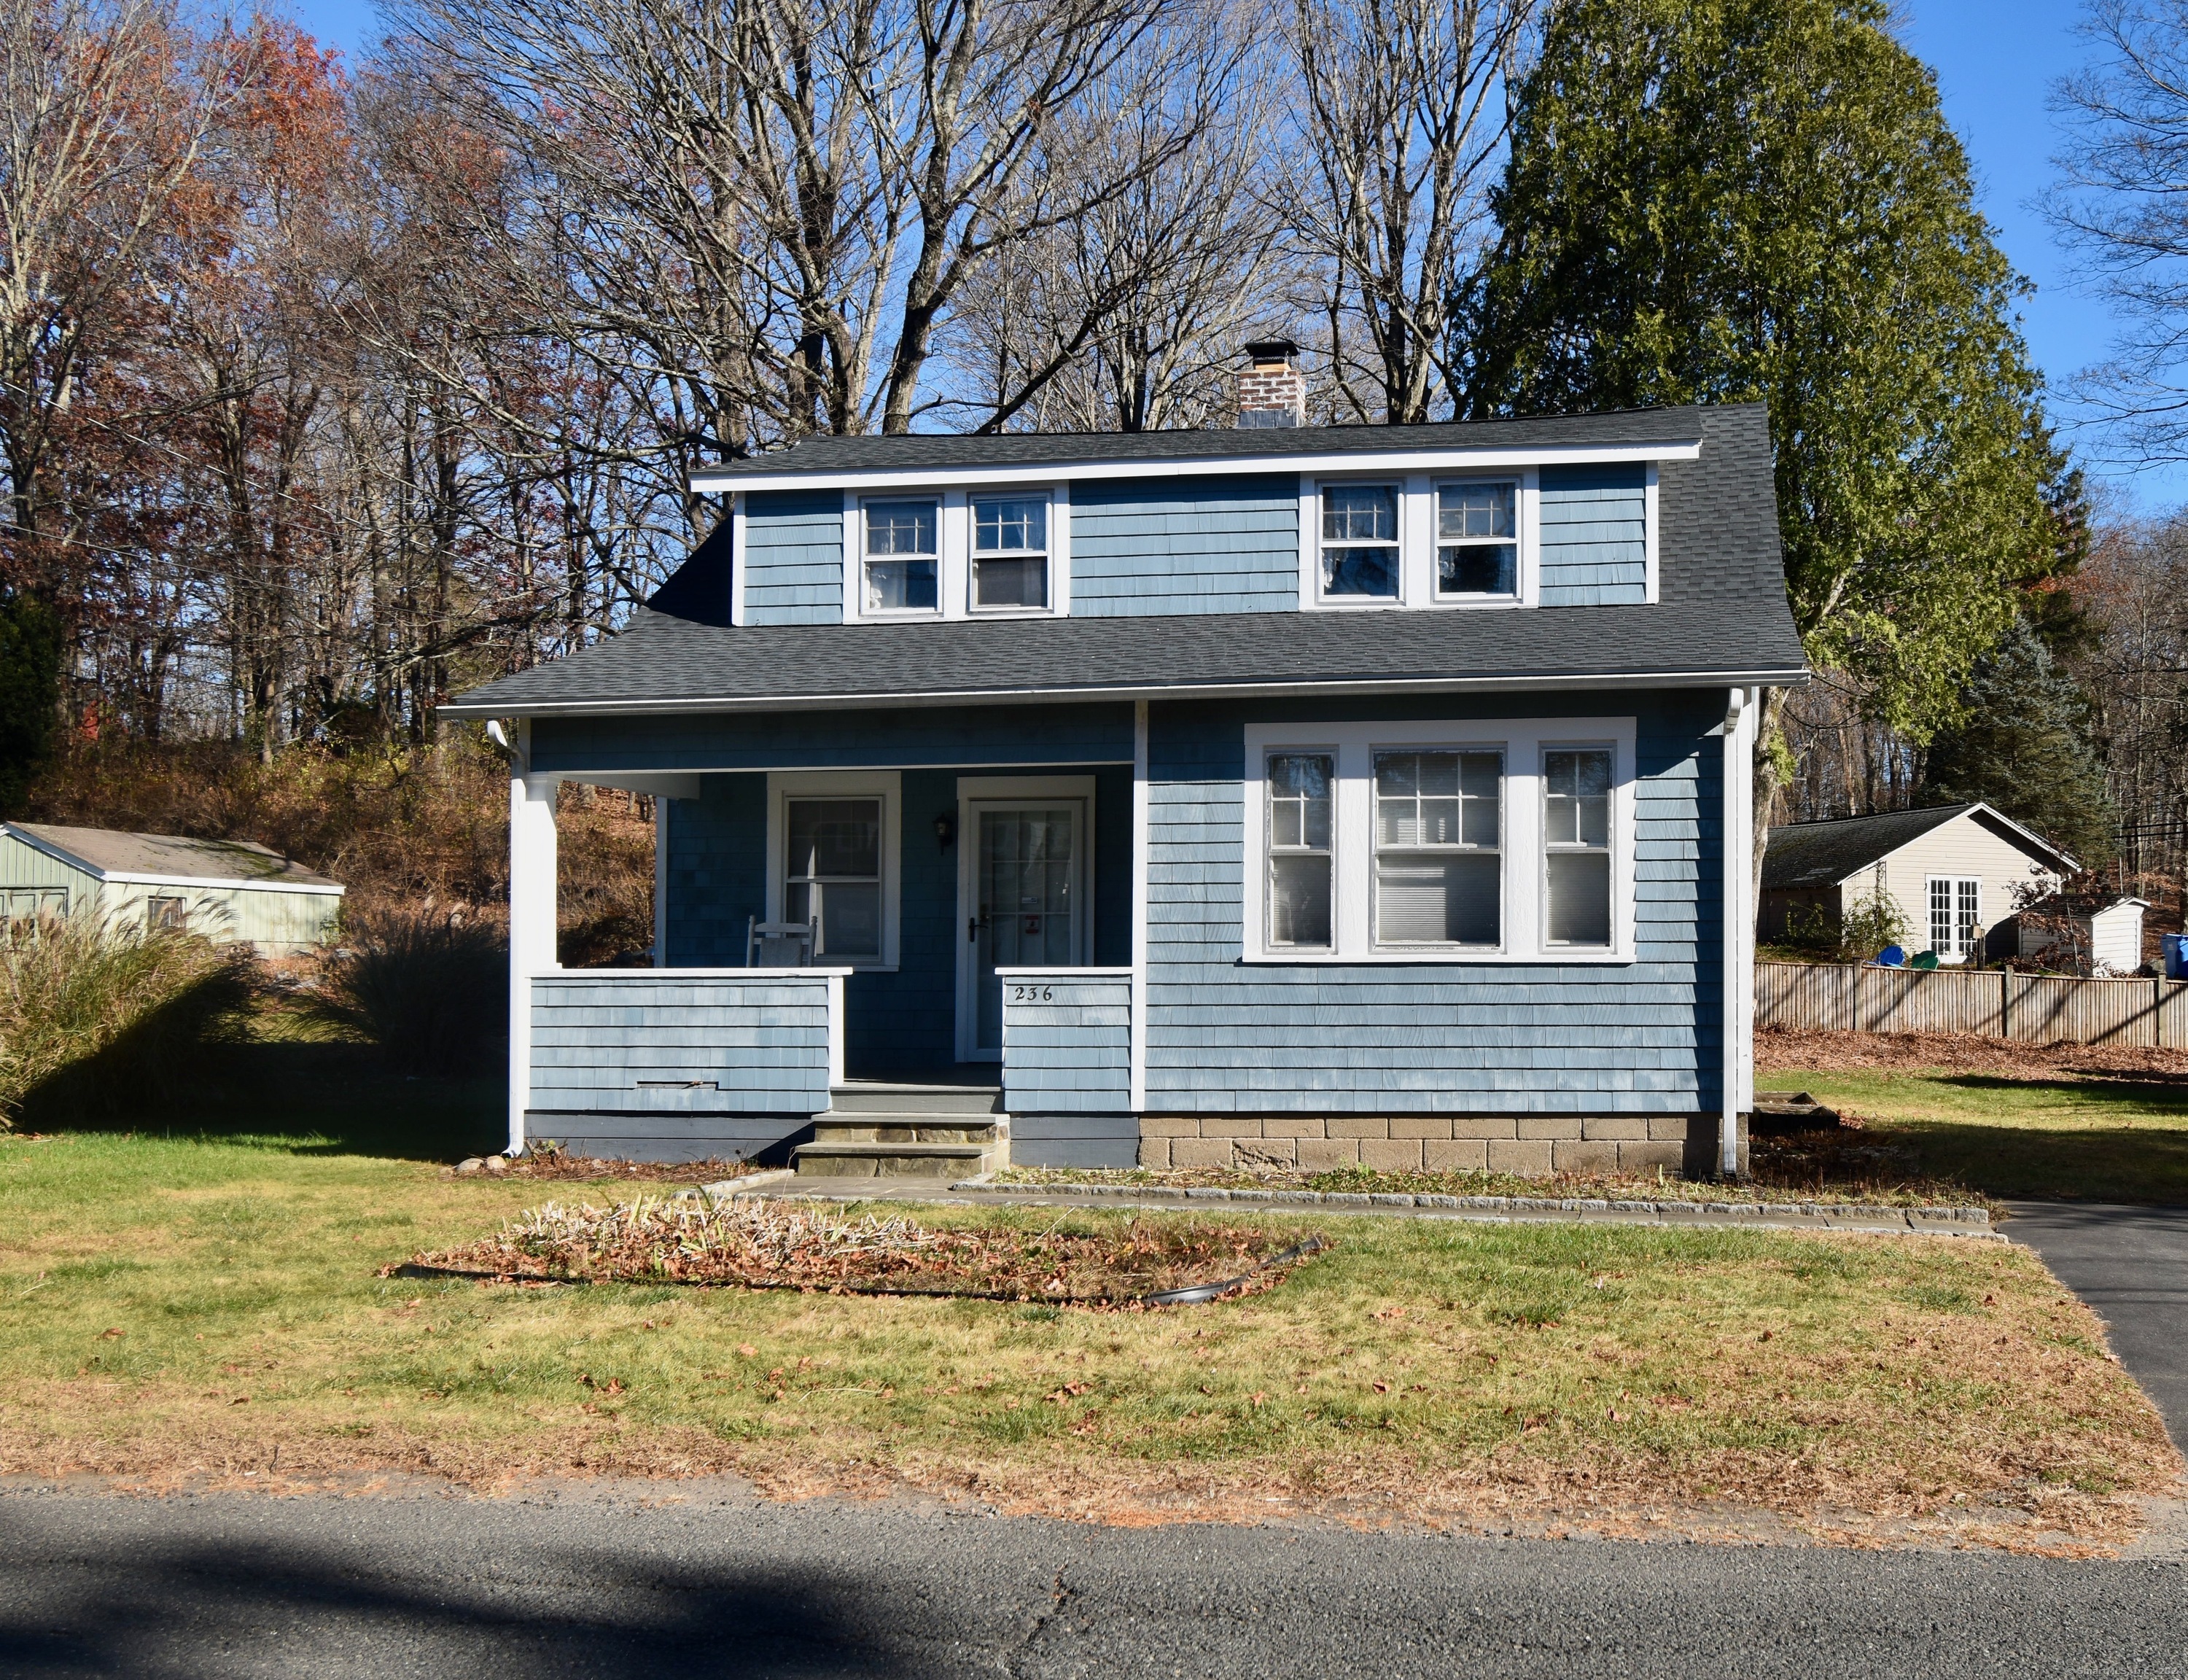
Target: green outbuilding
228, 890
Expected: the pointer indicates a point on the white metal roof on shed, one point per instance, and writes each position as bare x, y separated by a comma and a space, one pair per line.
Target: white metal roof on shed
170, 860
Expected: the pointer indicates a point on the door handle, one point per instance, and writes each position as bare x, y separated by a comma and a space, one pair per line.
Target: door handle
971, 930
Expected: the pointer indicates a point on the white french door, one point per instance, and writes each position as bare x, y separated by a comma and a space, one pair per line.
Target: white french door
1023, 901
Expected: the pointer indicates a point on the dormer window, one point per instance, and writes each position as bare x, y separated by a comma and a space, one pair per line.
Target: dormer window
1010, 552
1477, 539
903, 572
1360, 541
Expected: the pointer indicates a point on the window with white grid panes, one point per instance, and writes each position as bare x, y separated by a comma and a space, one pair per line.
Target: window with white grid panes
1439, 863
1477, 539
1010, 552
902, 570
1955, 914
1360, 542
1302, 824
1576, 846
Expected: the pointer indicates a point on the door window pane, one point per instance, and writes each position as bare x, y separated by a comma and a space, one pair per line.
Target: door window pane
902, 575
1439, 865
1301, 796
1576, 833
832, 873
1028, 860
1360, 541
1477, 532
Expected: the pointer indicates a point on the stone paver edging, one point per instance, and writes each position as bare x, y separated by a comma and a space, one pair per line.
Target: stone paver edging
1939, 1221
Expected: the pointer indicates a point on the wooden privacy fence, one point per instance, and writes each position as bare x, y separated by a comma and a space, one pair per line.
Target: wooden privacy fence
1997, 1003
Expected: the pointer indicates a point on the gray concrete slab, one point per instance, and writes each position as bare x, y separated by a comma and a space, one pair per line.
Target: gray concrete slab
2130, 1263
543, 1587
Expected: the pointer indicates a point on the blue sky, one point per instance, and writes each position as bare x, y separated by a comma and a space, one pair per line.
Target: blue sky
1995, 60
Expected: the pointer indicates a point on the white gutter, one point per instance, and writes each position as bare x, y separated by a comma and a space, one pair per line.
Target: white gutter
705, 482
993, 696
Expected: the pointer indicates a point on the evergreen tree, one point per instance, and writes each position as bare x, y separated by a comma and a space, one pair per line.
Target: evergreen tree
1761, 200
2022, 746
30, 693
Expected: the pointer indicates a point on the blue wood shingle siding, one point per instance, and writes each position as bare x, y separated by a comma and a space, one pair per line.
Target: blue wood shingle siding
757, 1047
794, 557
1069, 1052
1225, 1036
1218, 544
1594, 534
1066, 737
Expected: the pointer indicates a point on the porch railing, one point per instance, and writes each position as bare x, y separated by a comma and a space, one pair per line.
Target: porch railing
686, 1041
1067, 1040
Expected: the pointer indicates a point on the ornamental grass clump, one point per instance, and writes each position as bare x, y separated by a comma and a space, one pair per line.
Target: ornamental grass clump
757, 1243
431, 988
94, 1011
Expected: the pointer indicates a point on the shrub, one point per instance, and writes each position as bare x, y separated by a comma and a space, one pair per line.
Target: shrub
1872, 924
431, 988
95, 1012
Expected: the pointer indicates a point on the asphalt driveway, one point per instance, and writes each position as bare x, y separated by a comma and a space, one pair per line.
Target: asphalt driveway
2130, 1263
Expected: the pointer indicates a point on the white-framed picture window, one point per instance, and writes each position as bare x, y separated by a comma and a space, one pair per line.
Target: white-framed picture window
902, 544
1477, 534
834, 848
1576, 853
1302, 862
1361, 556
1955, 915
1010, 552
1494, 840
1439, 859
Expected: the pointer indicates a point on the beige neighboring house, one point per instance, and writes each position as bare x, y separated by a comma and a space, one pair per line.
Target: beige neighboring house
226, 889
1955, 871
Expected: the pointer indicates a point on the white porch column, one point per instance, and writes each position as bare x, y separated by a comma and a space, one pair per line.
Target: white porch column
1739, 978
1137, 1096
532, 864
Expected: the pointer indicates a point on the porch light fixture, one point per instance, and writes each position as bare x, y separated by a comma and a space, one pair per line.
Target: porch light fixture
945, 829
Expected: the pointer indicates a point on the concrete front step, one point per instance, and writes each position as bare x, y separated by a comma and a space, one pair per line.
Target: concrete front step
880, 1128
944, 1161
872, 1097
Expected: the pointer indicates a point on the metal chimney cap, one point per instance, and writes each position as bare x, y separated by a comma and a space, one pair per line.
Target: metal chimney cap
1279, 350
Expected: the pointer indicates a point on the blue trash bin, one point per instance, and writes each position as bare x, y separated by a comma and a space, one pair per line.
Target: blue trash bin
2175, 947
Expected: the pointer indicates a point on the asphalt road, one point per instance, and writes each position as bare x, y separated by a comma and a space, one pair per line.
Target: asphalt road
607, 1586
2131, 1265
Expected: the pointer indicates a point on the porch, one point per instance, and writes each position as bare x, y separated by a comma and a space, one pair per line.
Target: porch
965, 994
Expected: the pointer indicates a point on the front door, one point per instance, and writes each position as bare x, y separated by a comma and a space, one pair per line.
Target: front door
1024, 905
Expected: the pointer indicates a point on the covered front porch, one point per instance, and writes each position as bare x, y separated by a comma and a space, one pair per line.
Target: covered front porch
866, 967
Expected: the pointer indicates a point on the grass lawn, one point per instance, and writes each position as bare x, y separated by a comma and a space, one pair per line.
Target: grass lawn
199, 1307
2073, 1128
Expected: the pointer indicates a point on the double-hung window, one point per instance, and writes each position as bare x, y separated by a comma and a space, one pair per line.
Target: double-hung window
1955, 913
1301, 827
1576, 846
903, 550
1477, 539
1010, 551
1360, 558
833, 875
1438, 861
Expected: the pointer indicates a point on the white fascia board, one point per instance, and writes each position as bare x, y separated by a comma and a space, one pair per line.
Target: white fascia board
221, 882
1551, 683
1507, 457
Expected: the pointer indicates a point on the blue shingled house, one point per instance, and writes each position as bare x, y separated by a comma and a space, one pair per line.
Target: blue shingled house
1285, 794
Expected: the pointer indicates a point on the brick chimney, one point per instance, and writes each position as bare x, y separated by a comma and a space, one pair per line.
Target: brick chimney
1272, 391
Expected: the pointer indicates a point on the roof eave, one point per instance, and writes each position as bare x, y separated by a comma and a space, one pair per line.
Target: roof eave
1780, 677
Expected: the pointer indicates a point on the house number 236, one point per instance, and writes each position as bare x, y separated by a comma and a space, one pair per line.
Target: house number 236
1033, 995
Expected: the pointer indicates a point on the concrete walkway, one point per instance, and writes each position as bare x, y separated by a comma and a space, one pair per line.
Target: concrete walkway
2130, 1263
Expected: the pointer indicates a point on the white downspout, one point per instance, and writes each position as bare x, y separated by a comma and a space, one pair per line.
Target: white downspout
1737, 986
532, 866
1138, 1052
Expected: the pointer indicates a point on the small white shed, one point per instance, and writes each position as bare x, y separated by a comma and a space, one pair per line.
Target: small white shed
226, 889
2103, 936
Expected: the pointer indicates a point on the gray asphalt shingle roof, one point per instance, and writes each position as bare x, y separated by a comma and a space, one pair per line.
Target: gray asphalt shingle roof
1824, 854
1720, 615
111, 851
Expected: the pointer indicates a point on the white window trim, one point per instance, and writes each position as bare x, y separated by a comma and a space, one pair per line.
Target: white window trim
1648, 534
1522, 742
1929, 887
1417, 543
887, 786
954, 553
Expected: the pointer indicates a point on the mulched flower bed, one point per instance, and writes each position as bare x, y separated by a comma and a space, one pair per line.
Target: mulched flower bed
550, 1162
783, 1245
